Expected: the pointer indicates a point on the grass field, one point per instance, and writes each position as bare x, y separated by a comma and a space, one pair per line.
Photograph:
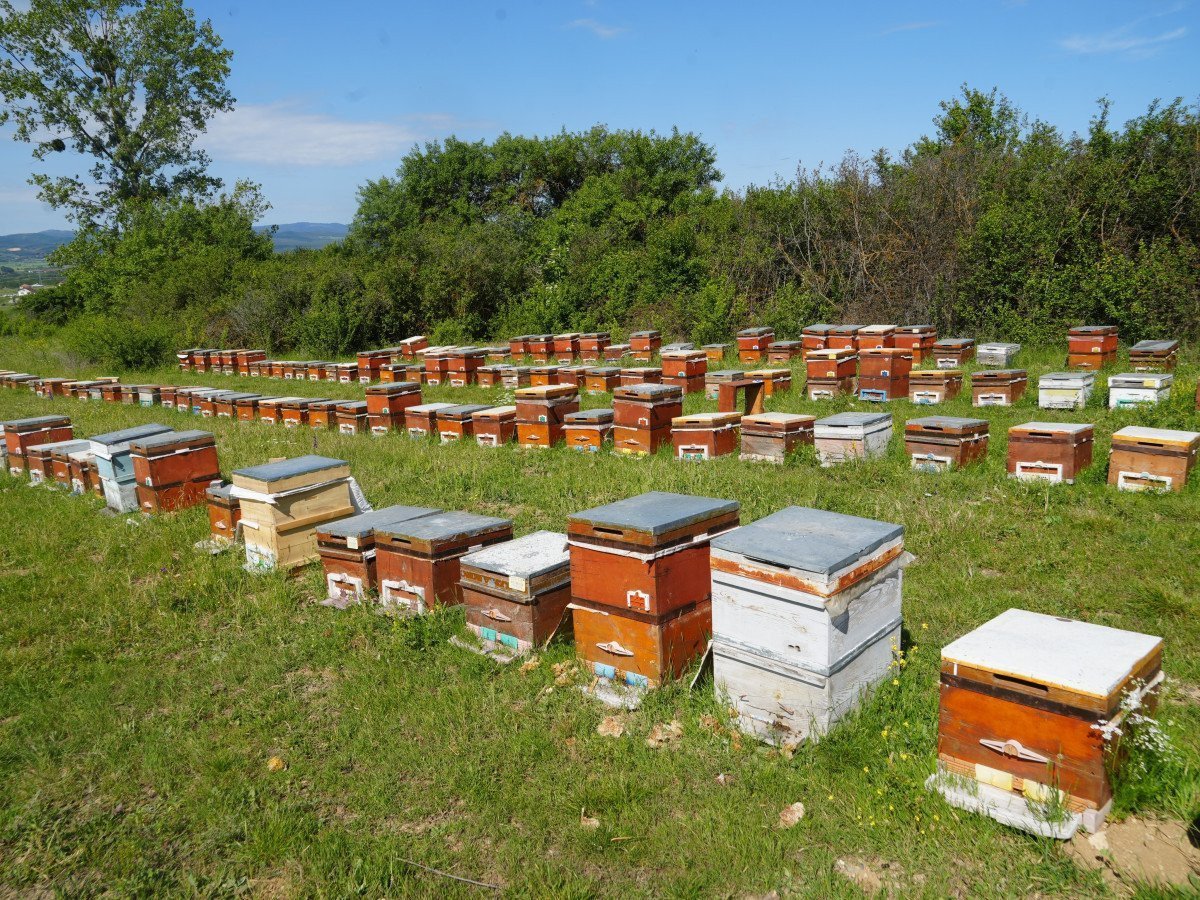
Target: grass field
146, 686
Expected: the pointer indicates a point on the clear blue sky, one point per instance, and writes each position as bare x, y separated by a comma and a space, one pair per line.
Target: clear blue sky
330, 95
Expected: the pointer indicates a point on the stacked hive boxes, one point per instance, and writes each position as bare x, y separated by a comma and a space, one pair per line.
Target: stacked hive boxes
937, 443
932, 386
40, 459
705, 435
516, 593
806, 615
640, 583
174, 469
1143, 389
386, 404
1001, 387
602, 379
351, 416
592, 345
851, 435
347, 551
831, 372
1065, 390
784, 351
566, 346
815, 337
224, 512
114, 464
1091, 347
685, 369
645, 344
464, 363
752, 344
20, 434
60, 461
844, 337
1027, 701
883, 373
542, 413
418, 559
770, 437
1156, 459
283, 503
642, 416
1049, 451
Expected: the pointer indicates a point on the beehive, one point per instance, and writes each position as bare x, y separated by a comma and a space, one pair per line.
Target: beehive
516, 592
705, 435
639, 375
39, 459
715, 353
1049, 451
1065, 390
642, 415
464, 363
1141, 389
771, 436
283, 503
996, 354
644, 344
877, 337
784, 351
418, 559
495, 425
60, 460
1155, 459
927, 387
114, 464
831, 364
566, 346
588, 429
386, 405
937, 443
421, 420
806, 615
775, 381
752, 344
174, 469
602, 379
843, 337
640, 583
224, 512
617, 353
456, 422
1026, 702
347, 550
714, 380
592, 345
351, 417
270, 409
513, 377
540, 376
815, 337
542, 413
540, 347
226, 406
294, 411
1091, 347
1001, 387
20, 434
828, 388
953, 353
685, 369
322, 414
883, 373
1153, 356
851, 435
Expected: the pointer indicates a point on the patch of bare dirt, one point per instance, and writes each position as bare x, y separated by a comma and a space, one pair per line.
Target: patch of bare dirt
1139, 851
282, 885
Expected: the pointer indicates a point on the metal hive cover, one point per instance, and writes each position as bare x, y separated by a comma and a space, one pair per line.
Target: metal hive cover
1067, 377
236, 397
946, 422
652, 391
999, 348
855, 419
288, 468
62, 446
1155, 346
1056, 427
352, 405
590, 416
220, 491
1141, 380
819, 329
811, 540
463, 410
125, 435
171, 437
1136, 432
999, 373
753, 332
646, 334
364, 524
656, 512
525, 557
428, 408
35, 421
443, 525
780, 418
725, 373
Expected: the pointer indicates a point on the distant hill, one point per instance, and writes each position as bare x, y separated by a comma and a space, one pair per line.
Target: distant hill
292, 236
307, 235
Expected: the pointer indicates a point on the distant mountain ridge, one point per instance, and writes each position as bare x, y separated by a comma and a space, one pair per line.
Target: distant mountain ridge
290, 236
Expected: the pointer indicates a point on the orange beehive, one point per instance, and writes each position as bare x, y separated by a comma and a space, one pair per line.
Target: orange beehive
705, 435
752, 344
644, 344
542, 412
602, 379
495, 425
930, 386
917, 338
565, 346
592, 345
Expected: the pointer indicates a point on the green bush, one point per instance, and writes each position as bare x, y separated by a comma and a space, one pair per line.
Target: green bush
121, 343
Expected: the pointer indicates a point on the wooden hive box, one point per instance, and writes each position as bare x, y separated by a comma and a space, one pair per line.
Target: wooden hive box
806, 616
679, 366
1065, 390
283, 503
884, 373
208, 402
592, 345
387, 403
1002, 387
542, 413
1152, 356
938, 443
393, 372
1092, 339
574, 376
616, 352
173, 470
224, 512
495, 425
347, 551
828, 388
200, 359
259, 369
270, 409
57, 387
851, 435
714, 380
1049, 451
541, 376
771, 436
318, 370
815, 337
412, 344
539, 347
498, 354
40, 459
246, 407
639, 375
178, 399
775, 381
464, 363
1155, 459
85, 479
456, 422
185, 358
60, 460
715, 352
953, 353
996, 354
1091, 362
640, 583
831, 364
642, 415
603, 379
351, 416
645, 344
437, 366
294, 411
518, 346
418, 560
1141, 389
877, 337
342, 373
705, 435
225, 406
752, 344
844, 337
588, 429
110, 392
114, 464
489, 376
927, 387
369, 363
517, 592
248, 359
149, 394
784, 351
565, 346
917, 338
421, 420
20, 434
131, 394
1026, 700
322, 414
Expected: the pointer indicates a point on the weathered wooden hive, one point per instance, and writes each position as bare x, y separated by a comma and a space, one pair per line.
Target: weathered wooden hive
1155, 459
386, 405
705, 435
1153, 356
927, 387
784, 351
844, 337
495, 425
1065, 390
775, 381
542, 413
457, 422
602, 379
883, 373
566, 346
351, 416
114, 464
953, 353
1001, 387
40, 459
588, 430
593, 344
877, 337
714, 380
815, 337
173, 469
937, 443
1091, 347
642, 415
347, 550
1141, 389
20, 434
421, 420
852, 435
771, 436
752, 344
685, 369
644, 344
1049, 451
224, 512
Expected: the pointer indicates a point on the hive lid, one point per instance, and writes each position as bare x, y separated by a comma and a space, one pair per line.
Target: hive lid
877, 329
60, 446
847, 329
768, 373
1093, 660
708, 419
220, 490
783, 345
354, 406
125, 435
1068, 377
589, 416
1155, 346
524, 557
604, 370
442, 526
567, 336
241, 396
999, 348
947, 423
394, 387
646, 334
1141, 380
171, 437
650, 392
463, 410
777, 418
1093, 329
423, 408
364, 524
547, 392
999, 374
939, 374
953, 342
35, 422
855, 419
656, 512
755, 332
1157, 435
818, 329
1054, 427
289, 468
832, 353
724, 374
497, 412
679, 345
811, 540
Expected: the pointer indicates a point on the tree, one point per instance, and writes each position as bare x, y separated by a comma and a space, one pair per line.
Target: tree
129, 83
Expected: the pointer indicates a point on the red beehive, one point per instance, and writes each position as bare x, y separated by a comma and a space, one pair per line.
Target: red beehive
437, 366
347, 551
224, 512
540, 347
642, 415
876, 337
931, 386
270, 409
587, 430
323, 414
542, 412
421, 420
828, 388
705, 435
60, 461
173, 469
455, 422
540, 376
39, 459
592, 344
917, 338
937, 443
410, 346
998, 387
565, 346
752, 343
770, 437
784, 351
20, 434
369, 363
953, 353
644, 344
640, 375
833, 363
246, 407
495, 425
603, 379
386, 405
464, 363
518, 346
883, 373
1049, 451
294, 411
843, 336
815, 337
351, 417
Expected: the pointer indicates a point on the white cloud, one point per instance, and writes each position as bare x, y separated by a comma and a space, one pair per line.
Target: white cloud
599, 29
1124, 40
282, 134
910, 26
